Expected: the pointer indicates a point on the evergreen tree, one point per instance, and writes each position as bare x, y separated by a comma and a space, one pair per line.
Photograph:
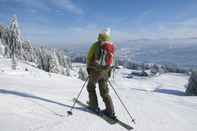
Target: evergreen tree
2, 49
15, 38
82, 74
192, 85
14, 63
54, 65
28, 52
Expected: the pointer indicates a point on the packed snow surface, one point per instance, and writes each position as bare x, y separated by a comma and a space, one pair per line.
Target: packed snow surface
34, 100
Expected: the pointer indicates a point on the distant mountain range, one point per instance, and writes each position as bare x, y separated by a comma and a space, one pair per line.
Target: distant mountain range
180, 52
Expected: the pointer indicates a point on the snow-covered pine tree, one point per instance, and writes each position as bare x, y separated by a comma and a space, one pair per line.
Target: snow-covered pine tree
60, 57
54, 65
44, 59
52, 60
2, 49
192, 84
67, 71
82, 74
15, 38
4, 35
14, 62
40, 58
68, 61
13, 46
64, 61
1, 31
28, 52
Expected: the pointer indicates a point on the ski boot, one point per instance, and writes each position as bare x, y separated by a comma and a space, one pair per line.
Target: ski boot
109, 114
94, 109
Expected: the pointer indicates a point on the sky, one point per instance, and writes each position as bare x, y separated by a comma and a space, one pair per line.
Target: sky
73, 22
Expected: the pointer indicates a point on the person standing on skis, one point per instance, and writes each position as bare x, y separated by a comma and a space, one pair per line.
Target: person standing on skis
99, 65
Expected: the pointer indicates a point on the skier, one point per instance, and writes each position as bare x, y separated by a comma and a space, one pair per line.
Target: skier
99, 66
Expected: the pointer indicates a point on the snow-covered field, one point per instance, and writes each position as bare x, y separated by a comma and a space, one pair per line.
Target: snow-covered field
35, 100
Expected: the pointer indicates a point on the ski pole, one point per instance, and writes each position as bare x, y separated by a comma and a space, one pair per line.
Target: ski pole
132, 119
70, 111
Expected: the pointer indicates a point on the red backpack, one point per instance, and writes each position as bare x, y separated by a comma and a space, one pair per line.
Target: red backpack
107, 54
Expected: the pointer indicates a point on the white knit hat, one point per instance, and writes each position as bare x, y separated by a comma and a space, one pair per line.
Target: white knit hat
106, 31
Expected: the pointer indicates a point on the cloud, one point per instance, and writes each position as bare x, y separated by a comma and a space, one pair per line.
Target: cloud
43, 5
184, 28
68, 5
75, 35
180, 29
42, 34
42, 28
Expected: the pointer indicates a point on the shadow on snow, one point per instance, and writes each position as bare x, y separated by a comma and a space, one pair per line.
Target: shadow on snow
170, 92
22, 94
164, 91
26, 95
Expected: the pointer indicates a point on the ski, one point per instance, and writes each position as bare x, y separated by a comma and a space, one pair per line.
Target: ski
103, 116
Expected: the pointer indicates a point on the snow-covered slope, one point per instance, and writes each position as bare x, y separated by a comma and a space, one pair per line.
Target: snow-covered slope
35, 100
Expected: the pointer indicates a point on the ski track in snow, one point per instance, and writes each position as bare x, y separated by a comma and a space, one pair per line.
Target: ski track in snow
35, 100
